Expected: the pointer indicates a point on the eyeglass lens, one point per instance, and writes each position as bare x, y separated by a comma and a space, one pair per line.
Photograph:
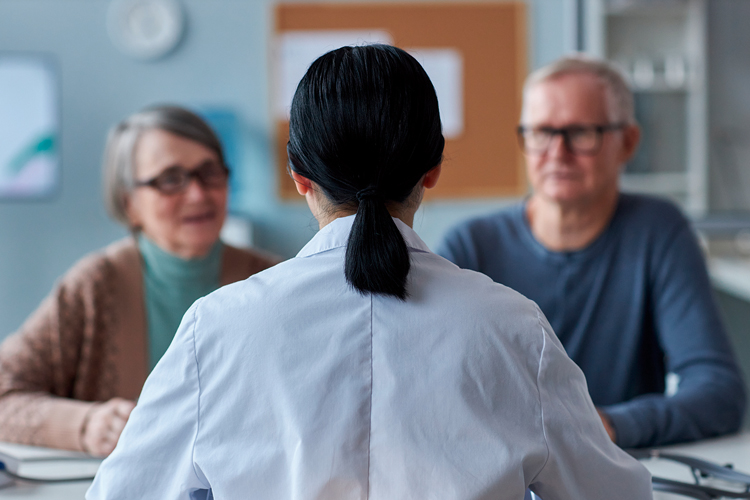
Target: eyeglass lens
176, 179
577, 139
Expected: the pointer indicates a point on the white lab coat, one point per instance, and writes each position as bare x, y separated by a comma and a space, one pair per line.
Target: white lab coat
290, 385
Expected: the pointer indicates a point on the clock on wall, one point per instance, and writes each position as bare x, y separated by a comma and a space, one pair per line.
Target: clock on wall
145, 29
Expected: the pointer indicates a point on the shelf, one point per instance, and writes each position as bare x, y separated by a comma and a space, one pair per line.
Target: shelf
661, 89
670, 9
656, 42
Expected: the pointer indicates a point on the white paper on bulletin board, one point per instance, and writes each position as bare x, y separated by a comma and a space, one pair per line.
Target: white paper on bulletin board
28, 127
445, 69
298, 49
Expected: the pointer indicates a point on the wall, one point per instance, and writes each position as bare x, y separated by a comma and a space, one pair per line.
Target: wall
222, 61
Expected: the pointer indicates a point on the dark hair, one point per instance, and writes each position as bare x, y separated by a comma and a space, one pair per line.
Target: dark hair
365, 128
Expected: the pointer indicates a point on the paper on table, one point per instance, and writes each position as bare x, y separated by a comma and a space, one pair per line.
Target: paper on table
298, 49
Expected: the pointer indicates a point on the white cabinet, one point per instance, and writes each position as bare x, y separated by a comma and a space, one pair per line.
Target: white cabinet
661, 46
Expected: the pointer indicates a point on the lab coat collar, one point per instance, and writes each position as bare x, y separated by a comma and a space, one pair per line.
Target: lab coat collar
336, 235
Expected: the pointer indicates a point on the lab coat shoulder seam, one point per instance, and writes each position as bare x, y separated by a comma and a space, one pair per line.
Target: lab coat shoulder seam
198, 381
539, 391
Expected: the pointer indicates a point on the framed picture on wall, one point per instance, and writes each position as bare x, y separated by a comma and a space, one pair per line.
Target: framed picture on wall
29, 126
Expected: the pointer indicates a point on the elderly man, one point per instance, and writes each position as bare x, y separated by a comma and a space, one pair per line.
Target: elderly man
620, 277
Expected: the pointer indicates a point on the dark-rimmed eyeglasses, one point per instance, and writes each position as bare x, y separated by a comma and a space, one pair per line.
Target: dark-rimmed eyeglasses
176, 179
578, 139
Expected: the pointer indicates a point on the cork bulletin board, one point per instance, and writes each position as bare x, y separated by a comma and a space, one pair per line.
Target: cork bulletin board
482, 49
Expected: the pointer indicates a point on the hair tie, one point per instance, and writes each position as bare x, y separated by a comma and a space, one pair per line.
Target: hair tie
367, 193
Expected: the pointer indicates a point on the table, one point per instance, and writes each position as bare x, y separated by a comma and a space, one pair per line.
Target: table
733, 450
63, 491
731, 275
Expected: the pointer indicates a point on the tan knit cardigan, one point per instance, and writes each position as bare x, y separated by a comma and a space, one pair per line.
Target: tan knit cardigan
87, 342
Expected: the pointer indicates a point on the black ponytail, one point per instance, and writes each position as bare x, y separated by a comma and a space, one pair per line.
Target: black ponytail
365, 128
377, 259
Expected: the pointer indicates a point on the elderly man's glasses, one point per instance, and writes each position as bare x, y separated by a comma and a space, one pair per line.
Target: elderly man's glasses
578, 139
175, 180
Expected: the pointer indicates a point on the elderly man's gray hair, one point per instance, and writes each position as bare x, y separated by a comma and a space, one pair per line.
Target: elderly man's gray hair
621, 108
119, 154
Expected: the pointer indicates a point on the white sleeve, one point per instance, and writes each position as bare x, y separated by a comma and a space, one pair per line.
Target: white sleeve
154, 456
583, 463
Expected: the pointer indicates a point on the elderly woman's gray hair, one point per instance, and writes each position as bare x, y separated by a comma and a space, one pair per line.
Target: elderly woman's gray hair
621, 107
119, 153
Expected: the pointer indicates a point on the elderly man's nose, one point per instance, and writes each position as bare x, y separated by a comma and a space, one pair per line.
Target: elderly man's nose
558, 145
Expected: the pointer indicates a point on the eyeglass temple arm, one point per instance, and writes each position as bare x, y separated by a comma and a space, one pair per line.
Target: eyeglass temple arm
696, 465
697, 491
718, 471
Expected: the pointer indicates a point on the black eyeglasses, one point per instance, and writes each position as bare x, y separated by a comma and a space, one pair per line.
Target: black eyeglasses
176, 179
578, 139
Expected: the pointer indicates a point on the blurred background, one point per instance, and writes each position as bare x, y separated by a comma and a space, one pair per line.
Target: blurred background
688, 60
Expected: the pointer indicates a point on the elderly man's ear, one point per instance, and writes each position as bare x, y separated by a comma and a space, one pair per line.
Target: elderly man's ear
631, 137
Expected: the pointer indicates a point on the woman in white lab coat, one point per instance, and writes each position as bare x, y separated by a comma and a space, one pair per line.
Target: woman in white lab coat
367, 366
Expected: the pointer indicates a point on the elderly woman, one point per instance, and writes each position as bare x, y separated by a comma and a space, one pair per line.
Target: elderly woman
70, 376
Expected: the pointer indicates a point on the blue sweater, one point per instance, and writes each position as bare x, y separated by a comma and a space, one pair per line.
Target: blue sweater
629, 308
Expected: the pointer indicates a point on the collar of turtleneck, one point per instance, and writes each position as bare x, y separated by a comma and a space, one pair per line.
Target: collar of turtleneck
171, 269
171, 285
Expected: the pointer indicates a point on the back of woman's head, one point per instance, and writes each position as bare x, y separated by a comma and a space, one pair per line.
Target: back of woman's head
365, 128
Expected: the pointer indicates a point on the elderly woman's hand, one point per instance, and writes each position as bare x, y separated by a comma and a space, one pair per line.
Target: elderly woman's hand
104, 424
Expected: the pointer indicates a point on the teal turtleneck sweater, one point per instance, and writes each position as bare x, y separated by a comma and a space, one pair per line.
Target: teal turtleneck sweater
171, 285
